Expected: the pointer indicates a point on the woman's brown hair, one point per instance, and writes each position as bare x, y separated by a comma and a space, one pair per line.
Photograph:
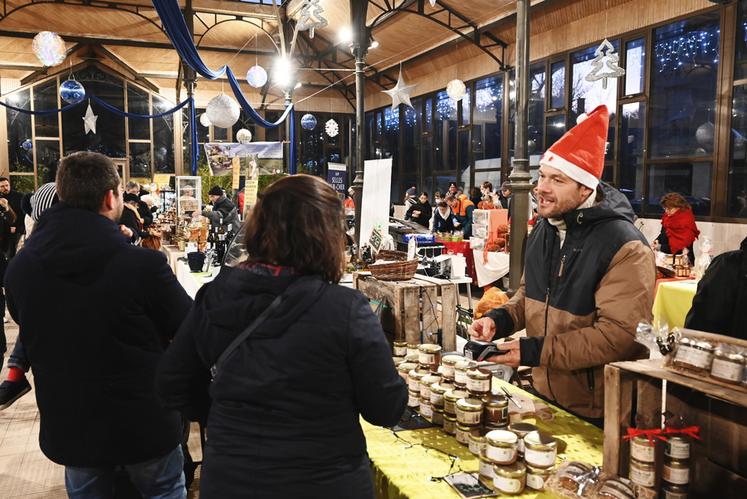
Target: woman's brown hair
298, 222
674, 200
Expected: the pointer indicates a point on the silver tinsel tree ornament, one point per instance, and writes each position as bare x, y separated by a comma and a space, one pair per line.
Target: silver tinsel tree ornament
605, 64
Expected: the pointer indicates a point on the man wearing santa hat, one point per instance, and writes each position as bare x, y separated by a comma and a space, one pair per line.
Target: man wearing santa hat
589, 278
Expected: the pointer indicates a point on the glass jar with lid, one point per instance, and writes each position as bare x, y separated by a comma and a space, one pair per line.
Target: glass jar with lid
643, 474
672, 491
642, 449
537, 477
437, 394
425, 385
426, 409
450, 423
677, 447
694, 354
450, 400
510, 479
430, 355
540, 449
478, 381
676, 471
469, 411
413, 349
477, 442
399, 348
463, 432
447, 364
413, 399
404, 368
521, 430
460, 372
501, 447
438, 416
728, 365
413, 379
496, 410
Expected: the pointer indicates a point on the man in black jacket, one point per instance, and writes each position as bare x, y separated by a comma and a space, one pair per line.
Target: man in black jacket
18, 227
720, 305
95, 315
223, 212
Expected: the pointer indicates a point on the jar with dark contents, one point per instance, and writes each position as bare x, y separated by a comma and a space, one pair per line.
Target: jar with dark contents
521, 430
430, 356
694, 355
496, 410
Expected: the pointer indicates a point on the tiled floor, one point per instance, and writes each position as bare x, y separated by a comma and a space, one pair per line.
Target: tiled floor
24, 471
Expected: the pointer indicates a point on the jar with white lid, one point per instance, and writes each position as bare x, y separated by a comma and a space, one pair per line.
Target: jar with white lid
478, 382
469, 411
501, 447
447, 365
399, 348
540, 449
425, 385
437, 394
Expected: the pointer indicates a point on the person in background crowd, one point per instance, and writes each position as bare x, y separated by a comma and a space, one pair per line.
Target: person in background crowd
131, 224
222, 212
16, 385
462, 209
443, 219
421, 211
410, 198
505, 196
26, 211
341, 367
18, 228
720, 304
437, 197
95, 315
486, 202
453, 189
349, 203
144, 211
678, 228
475, 196
580, 308
7, 220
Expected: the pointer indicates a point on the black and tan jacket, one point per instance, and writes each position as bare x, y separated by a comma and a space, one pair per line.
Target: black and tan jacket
581, 303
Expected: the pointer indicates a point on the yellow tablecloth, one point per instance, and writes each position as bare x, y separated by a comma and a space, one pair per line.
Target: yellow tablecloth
673, 301
402, 470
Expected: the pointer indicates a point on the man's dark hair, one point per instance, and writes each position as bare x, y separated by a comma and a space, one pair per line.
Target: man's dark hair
84, 178
487, 185
441, 204
4, 179
424, 194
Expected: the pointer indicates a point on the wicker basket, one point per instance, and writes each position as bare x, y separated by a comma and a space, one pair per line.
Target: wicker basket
401, 270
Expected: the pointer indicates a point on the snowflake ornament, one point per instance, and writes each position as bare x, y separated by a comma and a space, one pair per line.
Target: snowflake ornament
332, 128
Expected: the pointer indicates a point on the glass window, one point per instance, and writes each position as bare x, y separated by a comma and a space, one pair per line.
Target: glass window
737, 193
390, 147
410, 141
140, 160
220, 134
466, 106
426, 153
311, 153
632, 126
488, 120
138, 103
740, 67
464, 163
47, 158
557, 69
692, 180
587, 95
20, 145
22, 183
494, 177
683, 87
555, 129
45, 98
109, 138
635, 66
536, 113
445, 128
163, 136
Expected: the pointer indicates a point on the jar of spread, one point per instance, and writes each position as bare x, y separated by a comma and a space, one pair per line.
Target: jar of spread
399, 348
397, 360
643, 474
413, 349
676, 472
568, 477
486, 471
521, 430
438, 416
437, 394
412, 357
469, 411
677, 448
478, 382
694, 355
463, 432
447, 365
501, 447
727, 366
404, 368
450, 400
642, 449
426, 409
477, 442
413, 380
430, 355
672, 491
496, 410
616, 488
537, 477
511, 479
413, 399
460, 372
540, 450
450, 423
425, 385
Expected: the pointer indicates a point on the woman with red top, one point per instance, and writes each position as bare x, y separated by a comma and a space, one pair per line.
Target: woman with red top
678, 229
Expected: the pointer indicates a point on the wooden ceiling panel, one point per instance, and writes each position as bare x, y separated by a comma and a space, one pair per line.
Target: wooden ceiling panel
235, 33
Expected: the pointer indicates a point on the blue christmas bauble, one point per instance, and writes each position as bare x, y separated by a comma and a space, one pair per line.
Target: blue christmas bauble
72, 91
308, 122
27, 145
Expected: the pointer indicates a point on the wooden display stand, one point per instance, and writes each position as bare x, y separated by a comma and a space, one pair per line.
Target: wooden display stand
719, 460
414, 306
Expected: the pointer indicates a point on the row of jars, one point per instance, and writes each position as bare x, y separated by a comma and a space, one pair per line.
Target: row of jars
675, 470
723, 362
457, 395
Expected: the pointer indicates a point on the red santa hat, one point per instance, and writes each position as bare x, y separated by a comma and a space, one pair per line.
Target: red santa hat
580, 152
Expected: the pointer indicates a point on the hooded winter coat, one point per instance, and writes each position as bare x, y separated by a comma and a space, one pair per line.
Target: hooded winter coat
581, 303
284, 410
95, 315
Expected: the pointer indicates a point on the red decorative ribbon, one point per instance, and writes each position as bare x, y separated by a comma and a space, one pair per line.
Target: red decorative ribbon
658, 433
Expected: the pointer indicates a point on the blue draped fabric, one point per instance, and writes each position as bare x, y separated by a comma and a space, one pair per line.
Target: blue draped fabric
178, 32
119, 112
46, 112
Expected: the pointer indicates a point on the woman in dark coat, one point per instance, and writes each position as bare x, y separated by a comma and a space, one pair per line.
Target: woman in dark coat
283, 410
421, 211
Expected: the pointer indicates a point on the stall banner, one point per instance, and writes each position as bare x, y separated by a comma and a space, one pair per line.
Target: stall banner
377, 181
267, 156
236, 180
336, 173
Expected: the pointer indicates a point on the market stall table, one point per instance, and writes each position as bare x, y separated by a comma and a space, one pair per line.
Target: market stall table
193, 281
673, 301
404, 465
173, 254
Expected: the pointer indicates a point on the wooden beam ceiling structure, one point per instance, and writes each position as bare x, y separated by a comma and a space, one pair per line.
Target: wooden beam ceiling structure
131, 34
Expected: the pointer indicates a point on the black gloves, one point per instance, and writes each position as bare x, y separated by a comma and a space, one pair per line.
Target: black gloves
504, 325
531, 350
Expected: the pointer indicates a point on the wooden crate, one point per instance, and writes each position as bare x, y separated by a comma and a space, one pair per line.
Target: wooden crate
420, 305
719, 460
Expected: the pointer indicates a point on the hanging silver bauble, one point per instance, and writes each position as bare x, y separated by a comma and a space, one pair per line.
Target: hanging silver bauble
223, 111
243, 136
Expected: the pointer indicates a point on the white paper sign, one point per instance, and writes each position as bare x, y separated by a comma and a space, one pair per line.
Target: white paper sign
377, 183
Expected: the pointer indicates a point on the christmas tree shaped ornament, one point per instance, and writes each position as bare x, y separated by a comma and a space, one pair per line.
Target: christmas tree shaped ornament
310, 17
605, 56
432, 2
400, 94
